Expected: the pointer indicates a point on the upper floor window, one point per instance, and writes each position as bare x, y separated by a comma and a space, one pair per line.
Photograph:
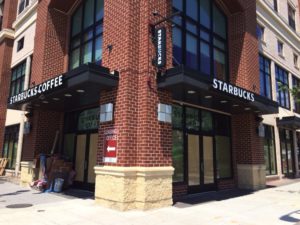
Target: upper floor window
260, 32
280, 48
282, 84
17, 79
296, 84
200, 37
22, 5
291, 13
265, 77
275, 5
87, 33
296, 61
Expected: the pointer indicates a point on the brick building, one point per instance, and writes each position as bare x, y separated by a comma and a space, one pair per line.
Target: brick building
150, 100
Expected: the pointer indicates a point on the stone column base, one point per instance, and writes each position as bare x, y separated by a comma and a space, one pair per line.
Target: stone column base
28, 174
127, 188
251, 176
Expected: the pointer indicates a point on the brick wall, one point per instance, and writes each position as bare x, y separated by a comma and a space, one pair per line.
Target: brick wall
48, 61
6, 46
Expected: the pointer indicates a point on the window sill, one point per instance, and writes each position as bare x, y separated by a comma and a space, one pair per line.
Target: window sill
262, 42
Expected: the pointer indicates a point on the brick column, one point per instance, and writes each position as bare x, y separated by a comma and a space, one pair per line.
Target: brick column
6, 46
142, 176
48, 61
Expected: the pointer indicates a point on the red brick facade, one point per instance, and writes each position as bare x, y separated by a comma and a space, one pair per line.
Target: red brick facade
6, 47
142, 140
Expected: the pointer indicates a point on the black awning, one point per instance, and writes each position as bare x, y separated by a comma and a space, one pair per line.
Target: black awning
75, 89
289, 122
190, 86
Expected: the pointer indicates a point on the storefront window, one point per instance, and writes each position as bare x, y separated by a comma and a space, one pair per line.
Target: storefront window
287, 158
206, 121
192, 119
178, 156
17, 79
269, 151
87, 32
11, 145
88, 119
204, 46
223, 146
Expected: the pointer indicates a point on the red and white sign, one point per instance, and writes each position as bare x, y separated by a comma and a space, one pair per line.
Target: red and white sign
110, 146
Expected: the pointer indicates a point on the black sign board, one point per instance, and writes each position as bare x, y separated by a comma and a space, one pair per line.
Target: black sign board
42, 88
160, 37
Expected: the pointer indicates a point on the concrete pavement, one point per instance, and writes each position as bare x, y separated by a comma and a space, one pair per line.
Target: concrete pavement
271, 206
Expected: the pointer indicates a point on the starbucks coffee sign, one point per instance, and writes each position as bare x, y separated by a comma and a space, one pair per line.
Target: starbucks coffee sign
37, 90
233, 90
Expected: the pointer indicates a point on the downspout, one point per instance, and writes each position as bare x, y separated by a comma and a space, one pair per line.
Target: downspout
23, 118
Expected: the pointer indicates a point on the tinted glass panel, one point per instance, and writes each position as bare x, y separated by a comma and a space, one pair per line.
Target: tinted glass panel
177, 43
205, 58
207, 121
191, 51
88, 15
178, 156
223, 152
219, 22
205, 13
192, 8
99, 9
192, 119
76, 21
177, 116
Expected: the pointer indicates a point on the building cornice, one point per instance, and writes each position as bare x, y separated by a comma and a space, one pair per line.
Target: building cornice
21, 18
7, 33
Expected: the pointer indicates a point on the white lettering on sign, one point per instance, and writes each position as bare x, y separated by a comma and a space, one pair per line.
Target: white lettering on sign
39, 89
233, 90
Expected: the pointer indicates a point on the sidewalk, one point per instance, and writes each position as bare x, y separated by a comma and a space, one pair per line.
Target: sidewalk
280, 205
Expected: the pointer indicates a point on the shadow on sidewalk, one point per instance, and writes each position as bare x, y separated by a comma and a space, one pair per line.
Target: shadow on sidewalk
293, 217
202, 198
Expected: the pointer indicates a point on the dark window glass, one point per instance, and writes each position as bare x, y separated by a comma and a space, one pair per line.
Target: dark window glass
87, 32
291, 14
296, 84
287, 152
298, 148
260, 32
206, 121
192, 118
283, 97
223, 153
265, 77
17, 79
205, 13
22, 5
269, 151
10, 145
200, 37
177, 120
280, 47
178, 156
275, 5
20, 44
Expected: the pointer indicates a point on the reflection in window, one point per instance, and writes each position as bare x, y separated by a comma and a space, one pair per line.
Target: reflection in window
178, 156
200, 41
86, 35
10, 145
223, 151
265, 77
282, 83
17, 79
269, 151
192, 119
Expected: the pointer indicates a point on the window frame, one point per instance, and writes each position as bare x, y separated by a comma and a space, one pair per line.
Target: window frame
292, 17
20, 79
26, 4
266, 76
279, 92
280, 48
81, 34
200, 28
269, 149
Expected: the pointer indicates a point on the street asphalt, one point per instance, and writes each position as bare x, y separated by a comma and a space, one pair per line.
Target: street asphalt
279, 205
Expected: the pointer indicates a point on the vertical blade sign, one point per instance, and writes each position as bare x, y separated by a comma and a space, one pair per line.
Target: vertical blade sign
160, 37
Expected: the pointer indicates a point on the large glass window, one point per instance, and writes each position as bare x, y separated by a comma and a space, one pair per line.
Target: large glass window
223, 146
282, 83
296, 84
11, 145
265, 77
200, 37
17, 79
287, 152
269, 151
87, 33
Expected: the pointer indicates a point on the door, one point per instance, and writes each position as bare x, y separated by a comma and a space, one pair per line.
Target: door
85, 160
287, 153
201, 166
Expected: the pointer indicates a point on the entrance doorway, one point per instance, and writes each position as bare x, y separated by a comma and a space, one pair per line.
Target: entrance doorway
81, 145
201, 166
85, 160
